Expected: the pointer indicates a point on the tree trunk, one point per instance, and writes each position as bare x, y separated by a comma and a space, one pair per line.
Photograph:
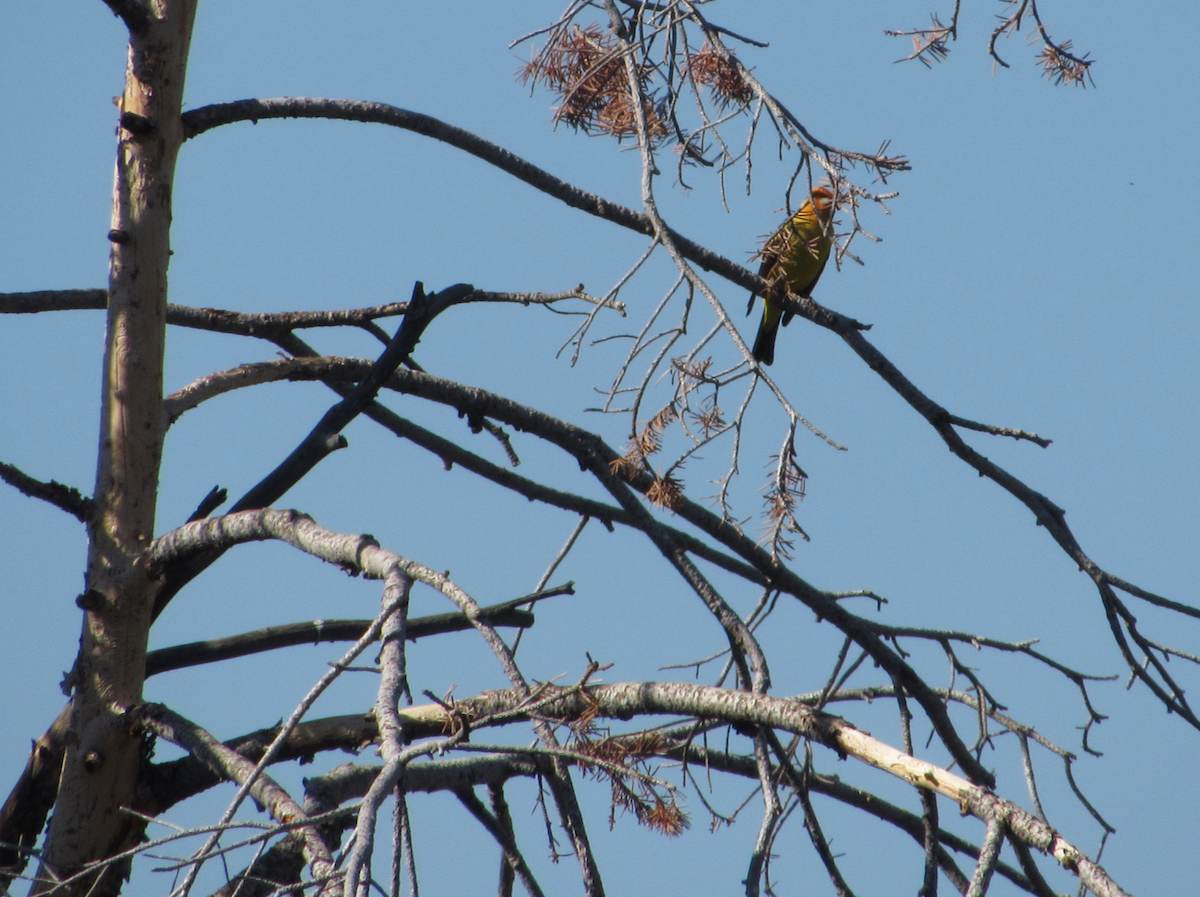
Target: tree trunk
103, 756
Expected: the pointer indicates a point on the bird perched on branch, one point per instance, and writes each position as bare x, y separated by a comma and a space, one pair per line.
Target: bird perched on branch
792, 260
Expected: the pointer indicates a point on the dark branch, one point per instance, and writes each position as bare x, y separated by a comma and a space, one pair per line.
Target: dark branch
24, 813
52, 300
595, 455
230, 764
421, 311
833, 787
214, 499
133, 13
197, 121
317, 631
326, 436
67, 498
504, 836
169, 783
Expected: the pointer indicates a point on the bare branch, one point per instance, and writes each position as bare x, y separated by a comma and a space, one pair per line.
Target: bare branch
393, 687
740, 708
988, 855
270, 638
499, 826
67, 498
52, 300
199, 120
229, 764
277, 744
28, 805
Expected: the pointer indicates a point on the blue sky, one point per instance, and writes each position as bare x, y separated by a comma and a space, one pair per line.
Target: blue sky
1034, 272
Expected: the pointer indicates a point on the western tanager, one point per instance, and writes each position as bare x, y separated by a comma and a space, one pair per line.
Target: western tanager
793, 258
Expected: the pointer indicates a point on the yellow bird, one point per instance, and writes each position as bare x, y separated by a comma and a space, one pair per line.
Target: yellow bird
793, 258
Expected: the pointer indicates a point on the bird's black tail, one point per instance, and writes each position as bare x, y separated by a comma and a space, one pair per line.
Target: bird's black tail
764, 345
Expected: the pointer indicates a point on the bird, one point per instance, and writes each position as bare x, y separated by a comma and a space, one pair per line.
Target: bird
793, 259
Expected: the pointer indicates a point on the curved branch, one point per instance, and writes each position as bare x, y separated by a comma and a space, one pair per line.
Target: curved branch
197, 121
452, 453
596, 456
356, 554
167, 784
738, 708
1047, 514
833, 787
178, 780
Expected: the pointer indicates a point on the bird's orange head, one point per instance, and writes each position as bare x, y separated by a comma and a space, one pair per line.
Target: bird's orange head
822, 200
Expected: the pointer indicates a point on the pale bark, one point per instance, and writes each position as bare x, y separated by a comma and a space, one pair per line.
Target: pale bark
101, 765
